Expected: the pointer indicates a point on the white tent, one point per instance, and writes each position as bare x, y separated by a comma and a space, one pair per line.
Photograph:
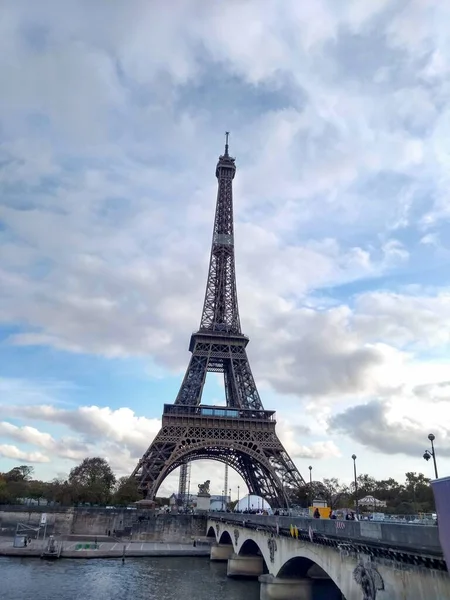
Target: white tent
371, 501
252, 502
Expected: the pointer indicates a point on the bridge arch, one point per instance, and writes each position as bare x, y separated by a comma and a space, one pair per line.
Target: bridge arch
211, 533
299, 566
249, 548
302, 566
225, 538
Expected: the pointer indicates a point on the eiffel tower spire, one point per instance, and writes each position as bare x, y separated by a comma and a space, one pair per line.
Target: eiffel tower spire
220, 308
220, 326
242, 434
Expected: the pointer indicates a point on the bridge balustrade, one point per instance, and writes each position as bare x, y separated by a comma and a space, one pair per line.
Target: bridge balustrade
417, 538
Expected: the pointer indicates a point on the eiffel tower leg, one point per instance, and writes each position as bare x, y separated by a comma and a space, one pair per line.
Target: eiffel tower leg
192, 387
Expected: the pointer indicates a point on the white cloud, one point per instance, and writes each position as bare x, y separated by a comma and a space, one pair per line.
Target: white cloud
121, 429
381, 426
8, 451
63, 448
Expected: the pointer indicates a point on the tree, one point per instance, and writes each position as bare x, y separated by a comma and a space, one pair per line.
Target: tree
126, 491
36, 490
60, 491
330, 490
335, 493
92, 481
367, 485
22, 473
17, 482
418, 490
5, 496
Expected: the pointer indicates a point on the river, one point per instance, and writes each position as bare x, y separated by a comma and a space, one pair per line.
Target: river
109, 579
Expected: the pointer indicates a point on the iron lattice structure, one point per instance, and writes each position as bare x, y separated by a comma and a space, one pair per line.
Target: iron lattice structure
242, 434
183, 484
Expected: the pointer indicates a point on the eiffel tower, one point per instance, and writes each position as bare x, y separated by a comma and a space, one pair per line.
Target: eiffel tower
242, 434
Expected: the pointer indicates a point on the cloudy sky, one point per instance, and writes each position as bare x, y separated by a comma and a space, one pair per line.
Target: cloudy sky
112, 117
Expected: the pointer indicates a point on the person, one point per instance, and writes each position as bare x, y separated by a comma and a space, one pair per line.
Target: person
317, 514
333, 515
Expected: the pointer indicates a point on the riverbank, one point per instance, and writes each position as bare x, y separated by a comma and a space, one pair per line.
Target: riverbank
110, 549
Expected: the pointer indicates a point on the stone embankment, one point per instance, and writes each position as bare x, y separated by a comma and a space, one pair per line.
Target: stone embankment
136, 525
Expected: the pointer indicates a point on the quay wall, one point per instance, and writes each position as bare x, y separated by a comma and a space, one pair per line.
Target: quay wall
118, 522
59, 521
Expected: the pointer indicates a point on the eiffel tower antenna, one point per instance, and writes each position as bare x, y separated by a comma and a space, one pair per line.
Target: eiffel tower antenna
242, 434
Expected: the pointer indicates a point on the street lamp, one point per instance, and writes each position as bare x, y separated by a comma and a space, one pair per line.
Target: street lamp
238, 498
356, 484
223, 494
310, 485
431, 454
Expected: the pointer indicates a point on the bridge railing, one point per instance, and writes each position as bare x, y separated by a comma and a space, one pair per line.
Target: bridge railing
413, 538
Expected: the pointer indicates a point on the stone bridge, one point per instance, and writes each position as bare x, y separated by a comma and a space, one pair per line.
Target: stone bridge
296, 558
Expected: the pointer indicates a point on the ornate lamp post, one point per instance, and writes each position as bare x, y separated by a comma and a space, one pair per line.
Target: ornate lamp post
238, 499
356, 484
431, 454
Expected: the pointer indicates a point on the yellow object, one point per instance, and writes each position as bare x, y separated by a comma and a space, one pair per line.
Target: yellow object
292, 530
324, 511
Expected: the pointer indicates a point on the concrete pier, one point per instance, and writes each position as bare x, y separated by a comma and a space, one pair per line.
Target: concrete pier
221, 552
250, 567
276, 588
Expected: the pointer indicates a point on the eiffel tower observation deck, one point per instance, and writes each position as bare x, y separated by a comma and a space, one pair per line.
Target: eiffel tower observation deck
241, 434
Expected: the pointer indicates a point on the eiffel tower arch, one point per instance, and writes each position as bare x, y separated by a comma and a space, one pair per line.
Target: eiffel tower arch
241, 434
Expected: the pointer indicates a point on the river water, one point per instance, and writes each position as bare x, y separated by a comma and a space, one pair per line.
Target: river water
108, 579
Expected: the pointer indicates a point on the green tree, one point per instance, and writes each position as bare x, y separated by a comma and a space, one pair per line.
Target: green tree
17, 482
22, 473
36, 490
366, 485
335, 493
418, 492
60, 491
5, 496
126, 491
92, 481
